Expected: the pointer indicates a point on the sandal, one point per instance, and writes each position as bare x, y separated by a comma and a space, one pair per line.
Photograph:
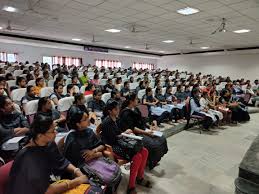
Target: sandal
144, 183
131, 190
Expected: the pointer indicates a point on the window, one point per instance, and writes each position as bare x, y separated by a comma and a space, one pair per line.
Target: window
10, 57
107, 63
143, 66
62, 60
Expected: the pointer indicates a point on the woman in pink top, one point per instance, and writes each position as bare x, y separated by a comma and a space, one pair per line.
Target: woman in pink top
96, 80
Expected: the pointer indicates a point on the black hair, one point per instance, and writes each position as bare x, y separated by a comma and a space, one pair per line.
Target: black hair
7, 75
74, 76
109, 107
167, 88
113, 93
130, 97
96, 92
96, 76
42, 102
118, 79
141, 83
38, 80
148, 90
75, 118
56, 86
125, 83
158, 89
29, 77
19, 80
28, 89
69, 87
88, 87
3, 100
78, 97
40, 125
2, 79
45, 73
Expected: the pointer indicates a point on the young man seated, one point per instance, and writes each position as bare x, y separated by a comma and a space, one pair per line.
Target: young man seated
12, 123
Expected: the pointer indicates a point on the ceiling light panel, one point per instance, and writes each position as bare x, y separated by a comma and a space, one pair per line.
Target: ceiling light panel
188, 11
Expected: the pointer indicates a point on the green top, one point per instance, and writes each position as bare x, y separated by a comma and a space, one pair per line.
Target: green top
84, 79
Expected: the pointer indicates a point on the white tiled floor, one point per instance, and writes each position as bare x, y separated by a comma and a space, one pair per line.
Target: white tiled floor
201, 163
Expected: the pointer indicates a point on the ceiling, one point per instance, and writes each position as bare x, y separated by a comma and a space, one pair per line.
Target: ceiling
67, 19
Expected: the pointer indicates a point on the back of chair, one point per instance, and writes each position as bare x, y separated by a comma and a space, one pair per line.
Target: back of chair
30, 109
17, 94
82, 89
106, 97
65, 103
88, 98
17, 73
46, 91
4, 176
32, 83
11, 83
144, 110
141, 93
133, 85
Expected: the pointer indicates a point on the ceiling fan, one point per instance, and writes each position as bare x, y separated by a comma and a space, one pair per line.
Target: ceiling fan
147, 46
94, 40
10, 28
222, 27
135, 28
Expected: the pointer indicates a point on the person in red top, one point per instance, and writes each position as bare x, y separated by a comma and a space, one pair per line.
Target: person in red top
89, 90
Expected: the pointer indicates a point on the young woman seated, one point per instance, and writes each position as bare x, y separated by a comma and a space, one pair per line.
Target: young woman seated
96, 81
141, 86
71, 90
171, 103
110, 135
205, 102
39, 85
57, 95
82, 144
45, 108
12, 123
38, 160
118, 83
159, 114
20, 83
198, 110
239, 111
96, 105
79, 105
130, 118
89, 89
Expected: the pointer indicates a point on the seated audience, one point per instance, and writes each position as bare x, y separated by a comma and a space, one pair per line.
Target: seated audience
239, 111
38, 160
12, 123
169, 103
75, 81
110, 134
160, 114
205, 103
89, 89
39, 85
95, 81
109, 87
71, 90
115, 96
29, 96
29, 77
118, 83
84, 79
130, 118
141, 86
125, 90
45, 108
46, 77
57, 94
198, 110
96, 105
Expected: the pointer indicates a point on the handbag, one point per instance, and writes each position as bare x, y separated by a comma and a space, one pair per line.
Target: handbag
132, 146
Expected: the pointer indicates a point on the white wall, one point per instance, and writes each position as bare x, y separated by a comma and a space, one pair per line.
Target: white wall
34, 51
231, 64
